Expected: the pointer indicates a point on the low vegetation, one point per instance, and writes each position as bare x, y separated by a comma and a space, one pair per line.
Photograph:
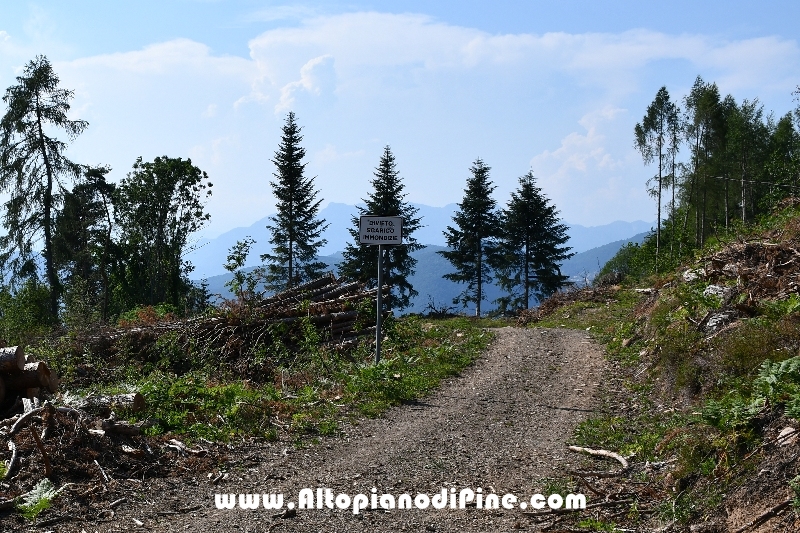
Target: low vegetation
303, 396
705, 377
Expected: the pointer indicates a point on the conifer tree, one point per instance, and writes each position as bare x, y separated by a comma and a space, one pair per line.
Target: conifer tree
361, 262
533, 246
32, 165
474, 246
295, 228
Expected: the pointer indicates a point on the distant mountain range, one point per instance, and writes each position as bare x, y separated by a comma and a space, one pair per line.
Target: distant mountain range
210, 254
431, 266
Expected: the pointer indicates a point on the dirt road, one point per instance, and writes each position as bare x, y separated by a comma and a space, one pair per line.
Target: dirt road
502, 426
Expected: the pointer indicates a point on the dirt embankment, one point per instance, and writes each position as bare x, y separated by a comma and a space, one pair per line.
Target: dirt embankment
502, 425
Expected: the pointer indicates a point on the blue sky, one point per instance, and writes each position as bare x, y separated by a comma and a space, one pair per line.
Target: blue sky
552, 86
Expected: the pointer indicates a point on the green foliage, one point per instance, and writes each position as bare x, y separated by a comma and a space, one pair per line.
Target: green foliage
361, 262
415, 361
148, 314
776, 384
195, 405
83, 249
591, 524
794, 484
533, 246
32, 164
25, 313
295, 228
474, 246
157, 207
243, 284
38, 499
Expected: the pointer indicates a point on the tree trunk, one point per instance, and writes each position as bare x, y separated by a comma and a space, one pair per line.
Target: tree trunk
52, 277
12, 359
103, 405
480, 280
33, 376
658, 196
527, 274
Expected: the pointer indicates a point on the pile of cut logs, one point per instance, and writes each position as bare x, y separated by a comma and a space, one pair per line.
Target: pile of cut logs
26, 379
330, 305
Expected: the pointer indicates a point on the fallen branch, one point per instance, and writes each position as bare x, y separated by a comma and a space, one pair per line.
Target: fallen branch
117, 502
21, 421
13, 463
602, 453
595, 473
101, 470
765, 516
48, 469
5, 505
123, 428
590, 487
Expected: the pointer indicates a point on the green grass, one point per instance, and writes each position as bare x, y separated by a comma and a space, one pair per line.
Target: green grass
308, 399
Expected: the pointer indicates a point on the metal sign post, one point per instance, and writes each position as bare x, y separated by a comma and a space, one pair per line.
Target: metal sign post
381, 231
379, 306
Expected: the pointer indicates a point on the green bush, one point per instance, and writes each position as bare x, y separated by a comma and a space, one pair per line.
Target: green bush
24, 314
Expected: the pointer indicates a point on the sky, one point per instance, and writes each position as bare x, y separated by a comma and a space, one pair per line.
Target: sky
554, 87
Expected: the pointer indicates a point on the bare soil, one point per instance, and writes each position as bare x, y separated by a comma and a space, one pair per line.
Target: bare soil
503, 425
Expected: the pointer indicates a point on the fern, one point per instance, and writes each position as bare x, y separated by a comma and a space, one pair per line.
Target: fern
38, 499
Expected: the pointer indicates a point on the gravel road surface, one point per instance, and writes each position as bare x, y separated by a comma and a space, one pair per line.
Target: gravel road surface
502, 425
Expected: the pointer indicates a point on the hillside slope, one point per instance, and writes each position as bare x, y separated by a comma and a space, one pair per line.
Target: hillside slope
704, 397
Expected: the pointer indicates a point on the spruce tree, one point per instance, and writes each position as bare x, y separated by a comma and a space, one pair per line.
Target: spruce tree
295, 228
361, 262
474, 246
533, 246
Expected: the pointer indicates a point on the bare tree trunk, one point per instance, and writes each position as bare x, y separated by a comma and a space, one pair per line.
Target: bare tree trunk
480, 279
52, 277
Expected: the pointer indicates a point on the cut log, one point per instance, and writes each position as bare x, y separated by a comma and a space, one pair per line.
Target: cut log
124, 428
103, 405
12, 359
33, 375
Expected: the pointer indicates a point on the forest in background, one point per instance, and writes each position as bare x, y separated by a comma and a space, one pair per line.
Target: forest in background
80, 251
720, 164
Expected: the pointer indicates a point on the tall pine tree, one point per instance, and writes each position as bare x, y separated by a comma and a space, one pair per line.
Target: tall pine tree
361, 262
533, 246
474, 246
32, 165
295, 228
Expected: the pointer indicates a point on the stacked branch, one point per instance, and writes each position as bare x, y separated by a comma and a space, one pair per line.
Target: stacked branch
340, 313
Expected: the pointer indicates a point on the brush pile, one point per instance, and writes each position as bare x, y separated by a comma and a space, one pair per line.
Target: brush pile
249, 339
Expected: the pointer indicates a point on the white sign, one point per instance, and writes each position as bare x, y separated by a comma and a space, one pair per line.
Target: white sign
380, 230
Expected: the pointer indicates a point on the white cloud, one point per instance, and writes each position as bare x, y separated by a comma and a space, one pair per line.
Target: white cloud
440, 93
210, 112
360, 41
171, 57
591, 175
316, 75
